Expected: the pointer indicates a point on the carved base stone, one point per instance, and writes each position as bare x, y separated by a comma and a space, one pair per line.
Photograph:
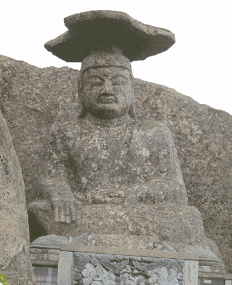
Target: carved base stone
94, 268
118, 269
78, 262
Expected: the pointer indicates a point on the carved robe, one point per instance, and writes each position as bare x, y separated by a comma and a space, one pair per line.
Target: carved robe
135, 162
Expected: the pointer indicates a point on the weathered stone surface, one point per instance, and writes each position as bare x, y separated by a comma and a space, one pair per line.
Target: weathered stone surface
14, 229
202, 135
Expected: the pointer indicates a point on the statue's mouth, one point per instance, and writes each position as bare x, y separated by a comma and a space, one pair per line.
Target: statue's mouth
106, 98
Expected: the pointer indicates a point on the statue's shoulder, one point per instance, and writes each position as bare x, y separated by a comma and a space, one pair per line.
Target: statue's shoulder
151, 132
152, 127
65, 128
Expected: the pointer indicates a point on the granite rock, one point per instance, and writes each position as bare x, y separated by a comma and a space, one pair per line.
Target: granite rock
32, 99
14, 229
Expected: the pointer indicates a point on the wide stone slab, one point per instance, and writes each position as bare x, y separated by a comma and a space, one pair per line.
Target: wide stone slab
137, 40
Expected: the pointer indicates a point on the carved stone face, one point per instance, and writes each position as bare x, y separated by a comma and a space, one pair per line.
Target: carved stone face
107, 91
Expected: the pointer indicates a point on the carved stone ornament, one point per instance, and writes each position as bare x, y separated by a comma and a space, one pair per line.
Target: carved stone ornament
105, 269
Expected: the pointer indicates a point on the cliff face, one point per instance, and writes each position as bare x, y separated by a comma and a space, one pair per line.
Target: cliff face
14, 230
32, 99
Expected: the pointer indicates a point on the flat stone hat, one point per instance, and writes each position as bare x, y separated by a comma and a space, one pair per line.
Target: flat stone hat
136, 40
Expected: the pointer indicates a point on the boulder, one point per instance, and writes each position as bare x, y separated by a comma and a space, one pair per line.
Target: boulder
14, 229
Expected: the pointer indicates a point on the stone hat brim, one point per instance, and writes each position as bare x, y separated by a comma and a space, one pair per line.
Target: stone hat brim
136, 40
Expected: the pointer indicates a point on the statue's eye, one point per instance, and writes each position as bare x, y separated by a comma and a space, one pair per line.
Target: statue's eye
119, 80
95, 81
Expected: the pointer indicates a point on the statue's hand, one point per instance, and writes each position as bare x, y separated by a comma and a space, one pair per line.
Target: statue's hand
65, 209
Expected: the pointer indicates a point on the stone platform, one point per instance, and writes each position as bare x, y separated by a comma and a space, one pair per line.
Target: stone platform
74, 264
113, 266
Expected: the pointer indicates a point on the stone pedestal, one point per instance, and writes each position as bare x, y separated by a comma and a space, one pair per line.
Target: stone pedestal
101, 265
215, 279
91, 265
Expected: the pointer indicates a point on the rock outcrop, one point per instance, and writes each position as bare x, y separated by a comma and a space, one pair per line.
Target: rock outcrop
32, 99
14, 229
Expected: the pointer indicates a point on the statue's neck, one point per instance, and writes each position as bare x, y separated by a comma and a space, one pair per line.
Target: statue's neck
124, 120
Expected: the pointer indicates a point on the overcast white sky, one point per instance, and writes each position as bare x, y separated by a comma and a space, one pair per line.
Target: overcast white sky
198, 65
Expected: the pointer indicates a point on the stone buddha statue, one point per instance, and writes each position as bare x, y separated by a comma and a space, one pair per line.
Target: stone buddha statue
114, 158
109, 173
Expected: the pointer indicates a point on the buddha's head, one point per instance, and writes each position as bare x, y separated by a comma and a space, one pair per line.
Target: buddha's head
106, 42
106, 85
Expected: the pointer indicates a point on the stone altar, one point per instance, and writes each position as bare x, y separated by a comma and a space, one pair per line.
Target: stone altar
109, 158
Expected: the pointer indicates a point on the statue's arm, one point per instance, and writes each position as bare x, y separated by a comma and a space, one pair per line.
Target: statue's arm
54, 185
164, 181
169, 184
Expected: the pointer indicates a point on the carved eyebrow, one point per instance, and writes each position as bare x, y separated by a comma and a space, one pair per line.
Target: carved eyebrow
96, 76
119, 75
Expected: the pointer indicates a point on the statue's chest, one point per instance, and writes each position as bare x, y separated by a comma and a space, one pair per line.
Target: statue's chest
102, 152
114, 156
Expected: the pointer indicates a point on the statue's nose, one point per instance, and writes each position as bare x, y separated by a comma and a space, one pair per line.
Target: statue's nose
108, 87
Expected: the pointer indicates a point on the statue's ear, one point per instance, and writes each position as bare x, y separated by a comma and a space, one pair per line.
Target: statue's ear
131, 111
82, 110
80, 83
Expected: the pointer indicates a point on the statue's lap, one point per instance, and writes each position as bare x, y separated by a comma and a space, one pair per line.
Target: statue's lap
165, 222
165, 227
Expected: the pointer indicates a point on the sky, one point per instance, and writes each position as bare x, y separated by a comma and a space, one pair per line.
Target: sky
199, 64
